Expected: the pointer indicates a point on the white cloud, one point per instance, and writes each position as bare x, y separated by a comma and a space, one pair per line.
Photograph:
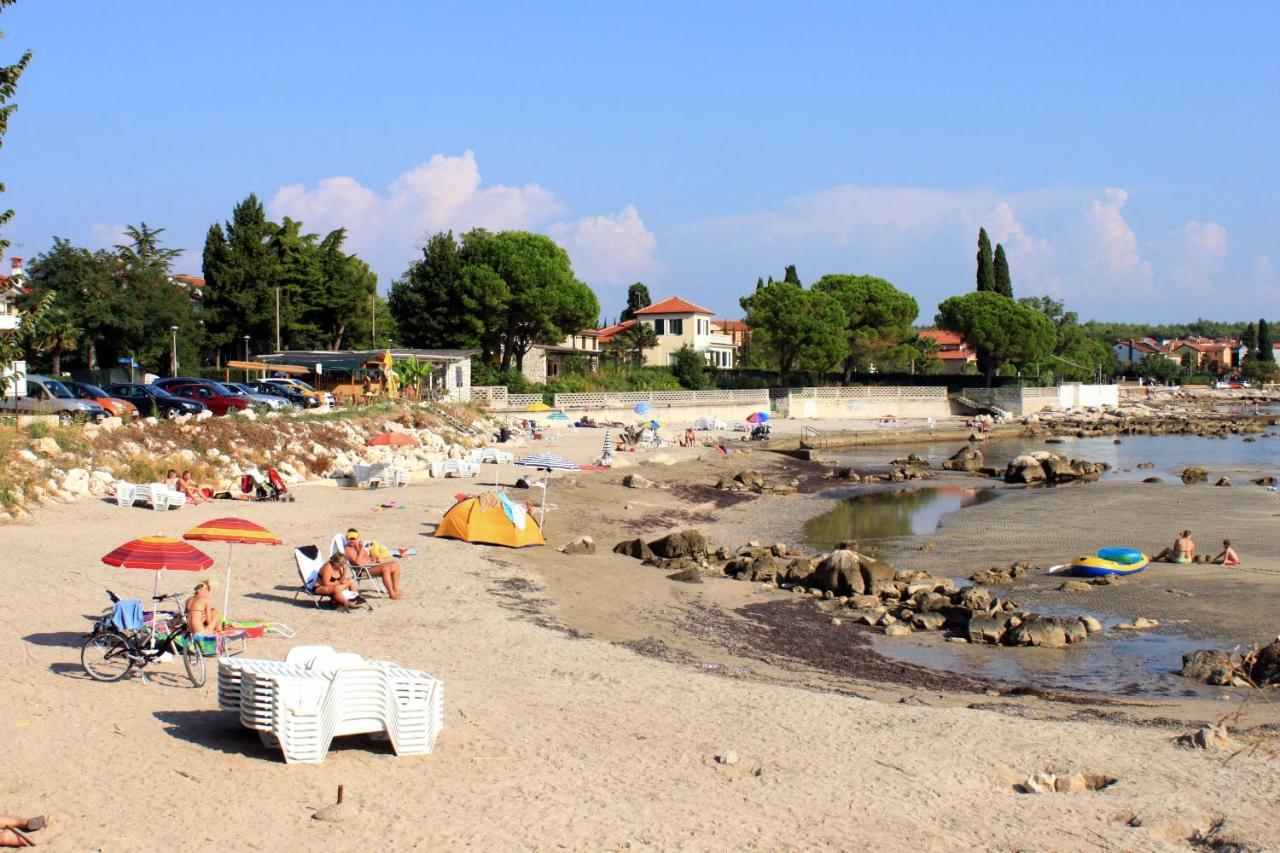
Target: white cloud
1110, 247
441, 194
106, 236
608, 249
1195, 255
1032, 260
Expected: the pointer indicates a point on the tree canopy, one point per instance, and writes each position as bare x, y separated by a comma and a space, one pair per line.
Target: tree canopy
878, 320
1000, 330
1266, 348
637, 298
501, 292
800, 329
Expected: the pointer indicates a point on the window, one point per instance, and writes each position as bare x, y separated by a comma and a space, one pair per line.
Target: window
659, 327
677, 327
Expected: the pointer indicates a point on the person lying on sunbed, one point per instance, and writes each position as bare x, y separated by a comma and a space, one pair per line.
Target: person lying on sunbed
388, 570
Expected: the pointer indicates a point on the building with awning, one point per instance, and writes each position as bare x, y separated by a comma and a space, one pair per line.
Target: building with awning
451, 368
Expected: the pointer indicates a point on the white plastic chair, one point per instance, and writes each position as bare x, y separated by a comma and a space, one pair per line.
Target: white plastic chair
125, 493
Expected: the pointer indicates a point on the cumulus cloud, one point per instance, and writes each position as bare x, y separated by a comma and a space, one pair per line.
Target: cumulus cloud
441, 194
1110, 246
616, 249
1196, 251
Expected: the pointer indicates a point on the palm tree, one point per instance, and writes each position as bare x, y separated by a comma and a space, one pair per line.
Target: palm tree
412, 374
143, 249
636, 340
53, 331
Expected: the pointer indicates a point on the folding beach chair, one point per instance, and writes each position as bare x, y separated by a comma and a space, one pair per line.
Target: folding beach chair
362, 573
309, 563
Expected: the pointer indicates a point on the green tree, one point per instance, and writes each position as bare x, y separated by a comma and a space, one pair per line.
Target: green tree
9, 75
800, 329
144, 277
84, 283
1266, 348
427, 299
1000, 330
240, 275
986, 266
878, 320
637, 298
633, 341
689, 367
790, 276
52, 332
1158, 367
1249, 339
1000, 273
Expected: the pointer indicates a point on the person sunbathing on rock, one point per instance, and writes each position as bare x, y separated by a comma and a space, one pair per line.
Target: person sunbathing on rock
1228, 557
1183, 550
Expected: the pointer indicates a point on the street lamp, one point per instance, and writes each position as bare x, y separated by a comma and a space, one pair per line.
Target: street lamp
246, 357
173, 353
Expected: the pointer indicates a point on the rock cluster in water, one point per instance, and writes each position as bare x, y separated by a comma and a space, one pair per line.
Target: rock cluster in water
1260, 667
864, 589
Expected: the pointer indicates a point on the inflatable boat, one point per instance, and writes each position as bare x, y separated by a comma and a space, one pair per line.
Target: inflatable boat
1110, 561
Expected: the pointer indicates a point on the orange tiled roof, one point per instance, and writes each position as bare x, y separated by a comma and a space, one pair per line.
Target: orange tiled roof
674, 305
607, 334
942, 337
957, 355
731, 325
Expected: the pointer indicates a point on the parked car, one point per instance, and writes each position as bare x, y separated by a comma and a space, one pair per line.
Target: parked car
287, 392
46, 396
303, 387
214, 395
153, 401
113, 405
255, 398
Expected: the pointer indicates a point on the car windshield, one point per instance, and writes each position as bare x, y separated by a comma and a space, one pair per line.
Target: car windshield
234, 390
57, 389
298, 383
90, 391
217, 388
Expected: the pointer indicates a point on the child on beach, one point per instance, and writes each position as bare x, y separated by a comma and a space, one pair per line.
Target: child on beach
1228, 557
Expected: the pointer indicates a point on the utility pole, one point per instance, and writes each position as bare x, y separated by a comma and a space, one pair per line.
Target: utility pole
373, 320
277, 319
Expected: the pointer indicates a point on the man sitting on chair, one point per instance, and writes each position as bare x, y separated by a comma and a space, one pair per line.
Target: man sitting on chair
202, 616
359, 556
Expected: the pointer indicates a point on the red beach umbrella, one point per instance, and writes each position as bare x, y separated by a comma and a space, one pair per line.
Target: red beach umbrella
156, 554
392, 439
232, 531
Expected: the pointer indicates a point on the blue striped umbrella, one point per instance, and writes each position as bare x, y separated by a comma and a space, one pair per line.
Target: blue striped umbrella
547, 462
642, 408
558, 416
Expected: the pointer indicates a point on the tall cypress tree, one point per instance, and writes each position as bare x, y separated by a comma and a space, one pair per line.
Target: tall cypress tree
1000, 273
1249, 340
1265, 350
790, 276
986, 266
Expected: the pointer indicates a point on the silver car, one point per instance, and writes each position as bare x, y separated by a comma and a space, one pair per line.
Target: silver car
47, 396
239, 389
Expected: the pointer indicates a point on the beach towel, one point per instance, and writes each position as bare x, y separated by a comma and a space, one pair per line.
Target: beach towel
127, 614
516, 513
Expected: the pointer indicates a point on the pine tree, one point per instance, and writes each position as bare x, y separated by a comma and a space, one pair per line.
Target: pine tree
1265, 350
790, 276
1000, 273
986, 267
637, 298
1249, 340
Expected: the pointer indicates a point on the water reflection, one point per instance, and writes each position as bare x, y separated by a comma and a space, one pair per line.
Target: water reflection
884, 514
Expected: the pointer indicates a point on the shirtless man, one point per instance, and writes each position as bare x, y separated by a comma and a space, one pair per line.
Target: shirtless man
189, 488
1228, 557
1183, 550
202, 616
336, 582
358, 555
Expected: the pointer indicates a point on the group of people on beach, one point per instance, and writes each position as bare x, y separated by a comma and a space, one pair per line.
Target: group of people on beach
337, 580
186, 485
1184, 551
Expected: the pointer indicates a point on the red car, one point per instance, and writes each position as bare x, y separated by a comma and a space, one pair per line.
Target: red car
211, 395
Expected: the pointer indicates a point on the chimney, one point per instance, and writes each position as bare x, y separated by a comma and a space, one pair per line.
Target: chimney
15, 266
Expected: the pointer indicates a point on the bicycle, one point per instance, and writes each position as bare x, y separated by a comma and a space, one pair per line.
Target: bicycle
110, 654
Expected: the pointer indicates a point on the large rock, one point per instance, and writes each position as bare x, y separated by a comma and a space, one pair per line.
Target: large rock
1048, 632
841, 573
967, 459
1210, 666
1024, 469
1265, 668
1059, 470
581, 545
1194, 474
76, 482
636, 481
633, 548
876, 575
798, 571
750, 479
46, 446
684, 543
761, 567
986, 629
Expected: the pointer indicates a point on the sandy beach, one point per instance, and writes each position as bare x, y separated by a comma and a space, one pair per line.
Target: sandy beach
588, 696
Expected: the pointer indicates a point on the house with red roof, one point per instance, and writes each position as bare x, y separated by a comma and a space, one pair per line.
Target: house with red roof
955, 354
677, 323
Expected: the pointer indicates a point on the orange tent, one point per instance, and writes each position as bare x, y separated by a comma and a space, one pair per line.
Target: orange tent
482, 519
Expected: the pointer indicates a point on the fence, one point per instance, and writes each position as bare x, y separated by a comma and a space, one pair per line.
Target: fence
622, 399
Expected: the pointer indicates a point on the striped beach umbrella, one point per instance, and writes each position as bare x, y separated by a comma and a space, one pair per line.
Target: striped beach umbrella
607, 451
233, 531
157, 554
758, 418
546, 462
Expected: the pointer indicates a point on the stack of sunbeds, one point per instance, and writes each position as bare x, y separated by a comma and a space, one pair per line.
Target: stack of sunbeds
316, 694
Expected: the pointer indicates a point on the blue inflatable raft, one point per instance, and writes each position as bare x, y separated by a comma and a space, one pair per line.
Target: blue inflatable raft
1110, 561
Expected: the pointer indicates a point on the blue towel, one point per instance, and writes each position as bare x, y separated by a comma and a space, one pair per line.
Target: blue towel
127, 614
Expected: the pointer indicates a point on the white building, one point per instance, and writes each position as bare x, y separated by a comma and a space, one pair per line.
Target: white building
11, 287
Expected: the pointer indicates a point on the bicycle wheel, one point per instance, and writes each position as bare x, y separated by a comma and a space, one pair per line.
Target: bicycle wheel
193, 659
106, 657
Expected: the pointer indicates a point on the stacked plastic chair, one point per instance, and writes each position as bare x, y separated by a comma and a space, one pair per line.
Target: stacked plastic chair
316, 694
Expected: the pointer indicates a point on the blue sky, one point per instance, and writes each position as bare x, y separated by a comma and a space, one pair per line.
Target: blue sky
1124, 153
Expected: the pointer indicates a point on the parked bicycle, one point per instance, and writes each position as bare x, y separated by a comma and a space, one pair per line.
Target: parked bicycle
110, 654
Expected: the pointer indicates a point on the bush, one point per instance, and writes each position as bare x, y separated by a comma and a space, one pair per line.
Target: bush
689, 368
